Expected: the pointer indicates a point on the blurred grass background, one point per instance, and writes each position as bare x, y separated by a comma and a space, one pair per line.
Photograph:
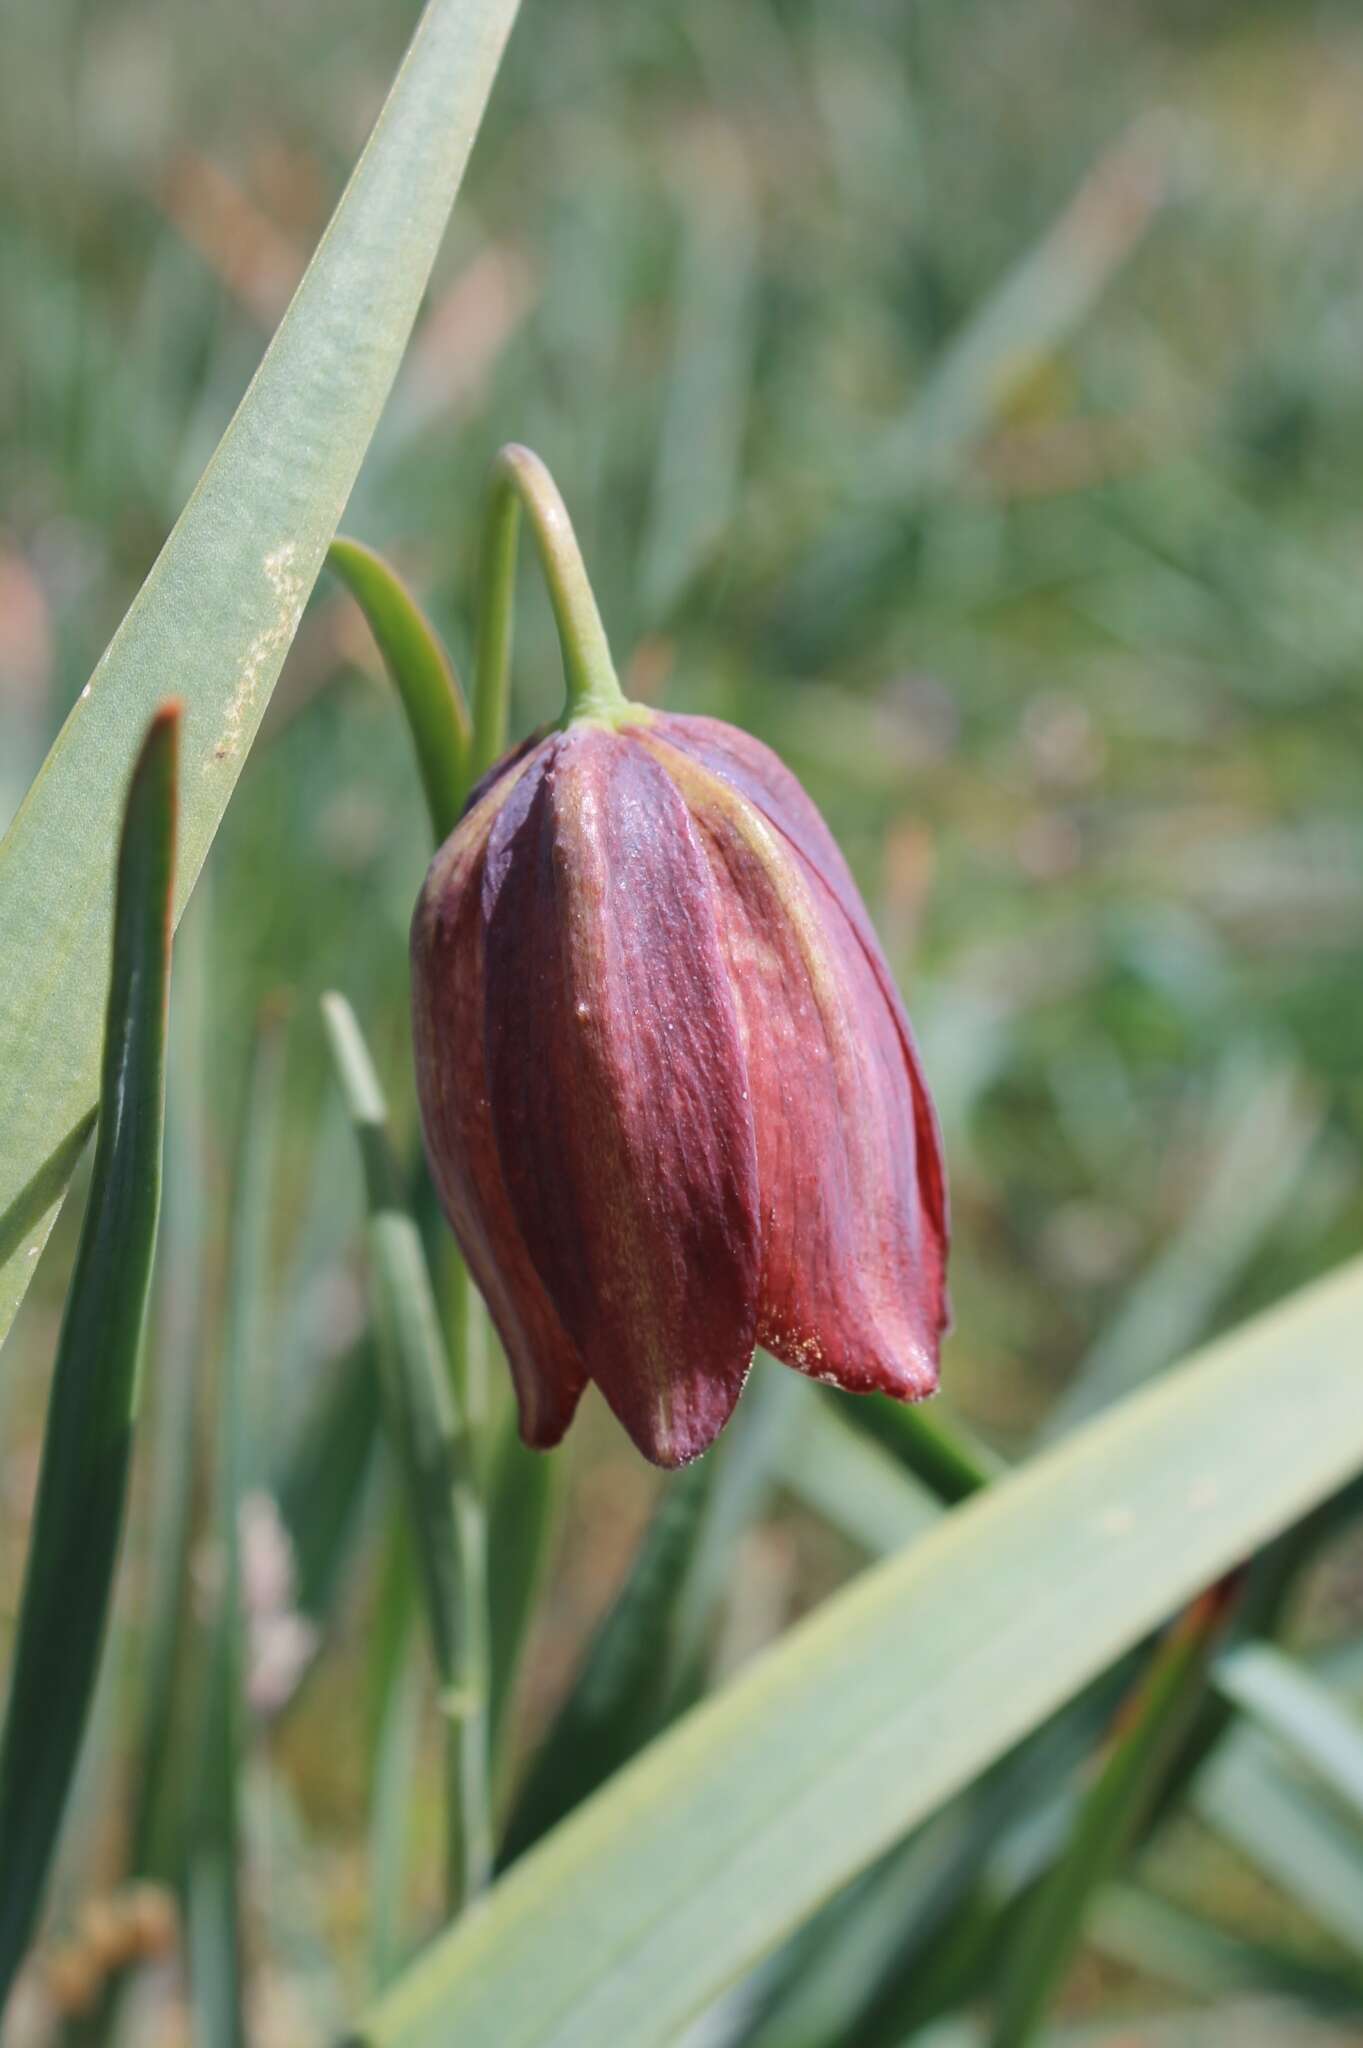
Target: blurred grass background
966, 398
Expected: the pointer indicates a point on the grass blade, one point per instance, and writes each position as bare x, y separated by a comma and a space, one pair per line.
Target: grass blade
155, 1840
852, 1483
749, 1467
730, 1830
87, 1444
696, 476
618, 1693
1288, 1702
216, 1958
219, 609
1296, 1839
321, 1482
645, 1664
1163, 1940
394, 1729
435, 1458
422, 674
1049, 1931
936, 1449
522, 1510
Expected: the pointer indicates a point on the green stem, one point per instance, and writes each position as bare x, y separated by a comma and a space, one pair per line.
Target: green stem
519, 481
931, 1445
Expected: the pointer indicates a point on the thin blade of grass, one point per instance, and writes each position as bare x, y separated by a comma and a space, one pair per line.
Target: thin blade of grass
394, 1726
1299, 1842
1181, 1948
321, 1482
213, 1876
695, 480
435, 1458
87, 1443
931, 1444
1049, 1930
618, 1693
1291, 1703
645, 1664
156, 1839
852, 1483
523, 1500
422, 674
749, 1471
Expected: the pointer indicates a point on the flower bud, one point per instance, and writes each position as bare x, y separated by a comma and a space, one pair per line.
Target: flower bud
671, 1100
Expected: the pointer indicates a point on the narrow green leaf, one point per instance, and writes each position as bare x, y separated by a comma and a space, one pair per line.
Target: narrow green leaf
619, 1690
87, 1443
731, 1829
216, 1954
321, 1482
1292, 1704
928, 1443
856, 1487
646, 1662
1048, 1932
422, 674
394, 1728
435, 1458
696, 476
1163, 1940
155, 1836
219, 609
749, 1467
522, 1512
1270, 1580
1303, 1845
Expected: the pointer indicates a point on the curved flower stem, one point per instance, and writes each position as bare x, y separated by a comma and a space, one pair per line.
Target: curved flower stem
519, 480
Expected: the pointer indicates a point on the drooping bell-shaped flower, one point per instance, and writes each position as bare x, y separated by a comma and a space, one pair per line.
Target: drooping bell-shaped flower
670, 1096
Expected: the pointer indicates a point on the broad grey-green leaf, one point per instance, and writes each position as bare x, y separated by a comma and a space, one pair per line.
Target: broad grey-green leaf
215, 617
730, 1830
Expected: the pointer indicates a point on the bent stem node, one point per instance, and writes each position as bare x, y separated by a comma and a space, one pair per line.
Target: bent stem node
519, 480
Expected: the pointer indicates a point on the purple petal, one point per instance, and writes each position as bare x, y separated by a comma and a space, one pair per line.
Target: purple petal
748, 766
853, 1239
618, 1094
447, 1013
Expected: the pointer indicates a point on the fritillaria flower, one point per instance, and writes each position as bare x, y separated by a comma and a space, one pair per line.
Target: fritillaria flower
670, 1096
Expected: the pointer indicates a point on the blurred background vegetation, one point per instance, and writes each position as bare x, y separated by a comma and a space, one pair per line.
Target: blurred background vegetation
965, 397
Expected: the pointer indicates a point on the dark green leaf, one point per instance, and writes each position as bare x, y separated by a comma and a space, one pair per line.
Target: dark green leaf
87, 1443
437, 715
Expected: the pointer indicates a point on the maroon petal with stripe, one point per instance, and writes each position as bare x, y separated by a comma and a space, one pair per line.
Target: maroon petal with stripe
447, 1013
618, 1086
763, 778
853, 1220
